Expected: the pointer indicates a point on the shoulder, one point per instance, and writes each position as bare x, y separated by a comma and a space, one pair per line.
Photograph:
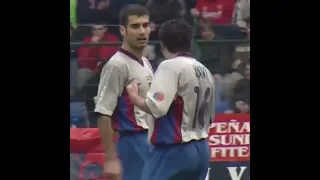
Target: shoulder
176, 64
117, 61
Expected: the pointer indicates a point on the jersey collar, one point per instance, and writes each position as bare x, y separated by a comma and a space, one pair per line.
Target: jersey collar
185, 54
132, 56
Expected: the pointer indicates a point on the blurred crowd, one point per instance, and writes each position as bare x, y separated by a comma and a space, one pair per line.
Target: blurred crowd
221, 42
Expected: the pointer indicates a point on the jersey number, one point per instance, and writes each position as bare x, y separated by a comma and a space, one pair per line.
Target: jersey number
201, 108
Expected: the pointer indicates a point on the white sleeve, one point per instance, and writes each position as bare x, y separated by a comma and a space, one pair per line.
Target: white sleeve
162, 91
111, 85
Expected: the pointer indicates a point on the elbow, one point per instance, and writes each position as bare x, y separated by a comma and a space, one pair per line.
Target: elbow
104, 121
155, 110
160, 113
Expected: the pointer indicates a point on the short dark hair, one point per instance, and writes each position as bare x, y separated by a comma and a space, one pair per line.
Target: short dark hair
176, 35
131, 10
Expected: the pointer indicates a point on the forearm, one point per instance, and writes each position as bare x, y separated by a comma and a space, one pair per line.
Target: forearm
107, 134
140, 103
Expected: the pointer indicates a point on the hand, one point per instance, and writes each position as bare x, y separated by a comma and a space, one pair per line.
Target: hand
112, 169
194, 12
133, 88
95, 38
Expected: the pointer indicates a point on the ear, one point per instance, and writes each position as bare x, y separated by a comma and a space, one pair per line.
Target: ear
122, 30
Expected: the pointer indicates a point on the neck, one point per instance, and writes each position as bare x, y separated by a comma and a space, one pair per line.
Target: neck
182, 53
171, 55
136, 52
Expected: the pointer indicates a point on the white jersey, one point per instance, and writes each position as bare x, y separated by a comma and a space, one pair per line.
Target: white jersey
181, 99
112, 98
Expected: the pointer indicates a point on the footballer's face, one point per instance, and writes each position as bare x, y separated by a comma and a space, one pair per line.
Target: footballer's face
137, 31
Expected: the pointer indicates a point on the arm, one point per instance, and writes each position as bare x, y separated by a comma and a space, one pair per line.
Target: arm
161, 93
140, 102
107, 134
110, 88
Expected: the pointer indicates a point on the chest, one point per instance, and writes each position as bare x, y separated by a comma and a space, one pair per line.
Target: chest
143, 74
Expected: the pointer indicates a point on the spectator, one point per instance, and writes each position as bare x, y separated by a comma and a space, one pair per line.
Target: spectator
216, 11
223, 105
241, 97
230, 79
206, 30
91, 11
242, 13
78, 112
162, 10
91, 57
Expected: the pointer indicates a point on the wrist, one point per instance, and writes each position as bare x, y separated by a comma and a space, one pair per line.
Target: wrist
133, 98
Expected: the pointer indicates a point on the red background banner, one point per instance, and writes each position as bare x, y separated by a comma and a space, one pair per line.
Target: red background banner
229, 140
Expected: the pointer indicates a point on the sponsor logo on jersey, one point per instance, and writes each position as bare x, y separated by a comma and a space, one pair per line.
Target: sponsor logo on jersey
159, 96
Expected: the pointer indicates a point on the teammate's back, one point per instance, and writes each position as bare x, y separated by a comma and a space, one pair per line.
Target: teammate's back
181, 100
192, 108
